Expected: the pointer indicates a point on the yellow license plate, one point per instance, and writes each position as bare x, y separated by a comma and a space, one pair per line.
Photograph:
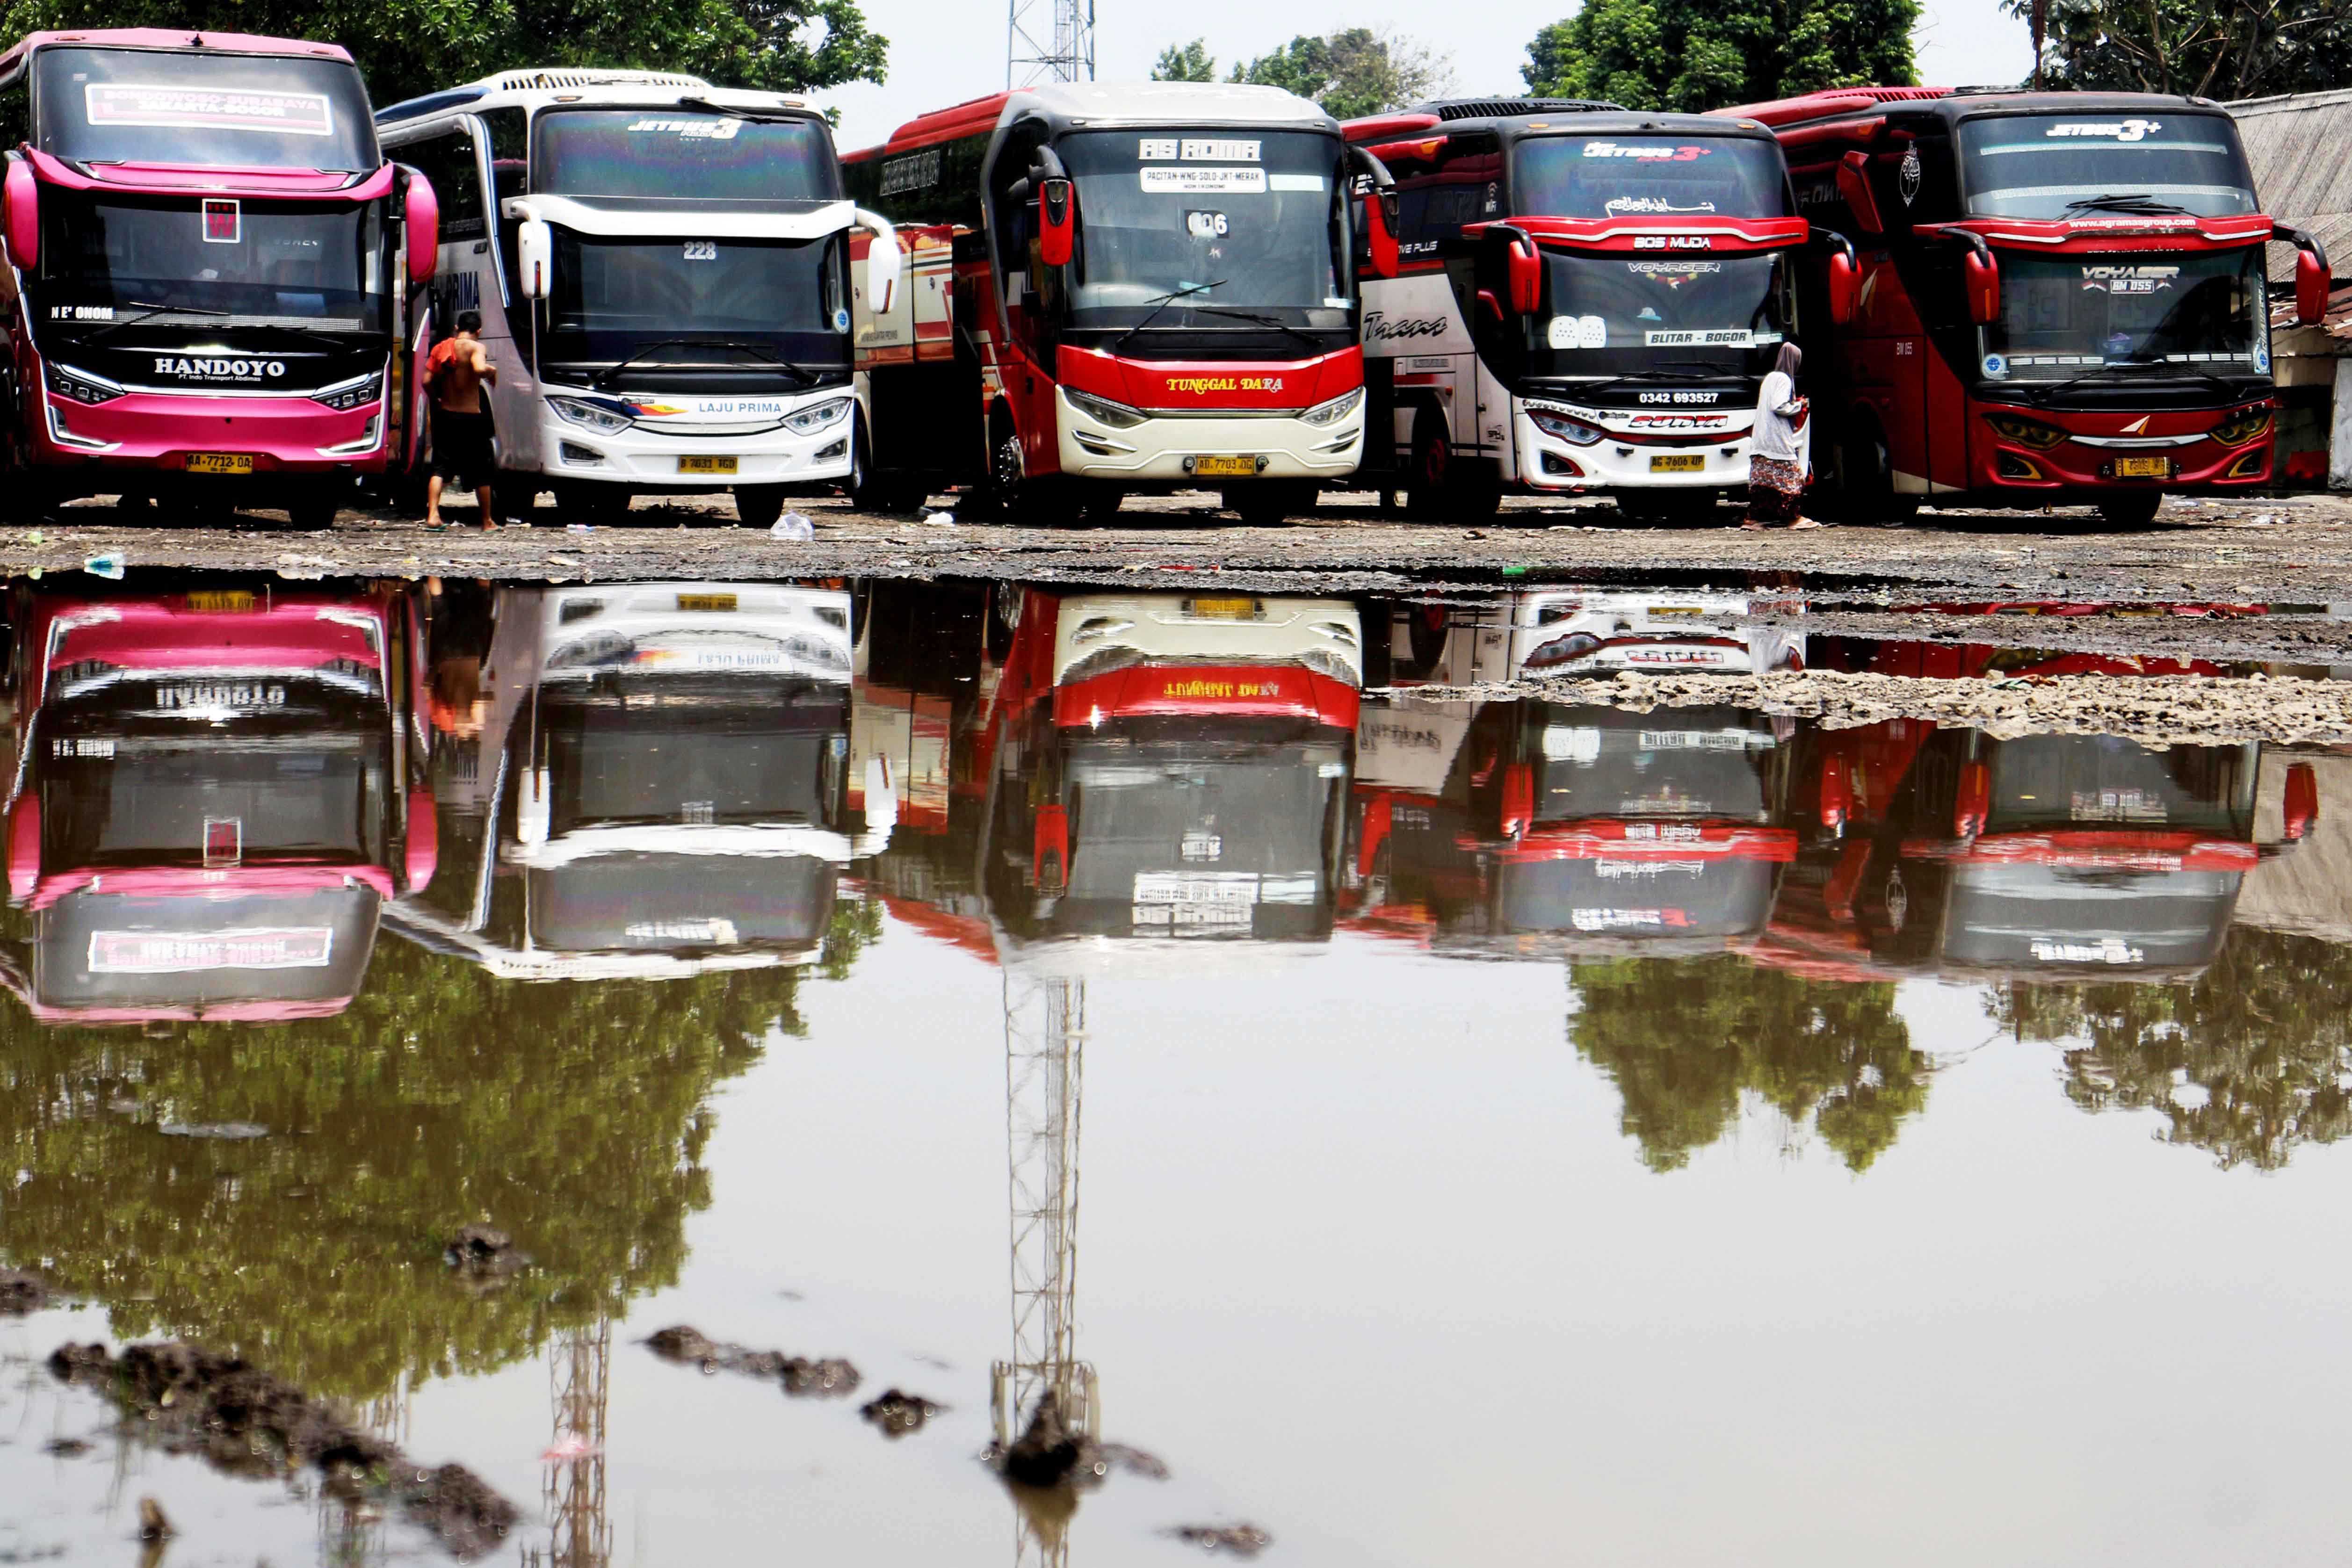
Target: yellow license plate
706, 601
706, 465
2143, 467
1224, 467
220, 463
1221, 608
222, 601
1678, 462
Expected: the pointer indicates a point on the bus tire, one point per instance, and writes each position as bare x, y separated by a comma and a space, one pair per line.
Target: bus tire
1442, 488
868, 493
1270, 503
1099, 509
759, 505
312, 513
2131, 509
1865, 491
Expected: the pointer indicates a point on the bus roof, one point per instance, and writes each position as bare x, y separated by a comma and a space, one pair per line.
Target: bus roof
166, 38
1066, 105
1508, 116
1950, 103
533, 87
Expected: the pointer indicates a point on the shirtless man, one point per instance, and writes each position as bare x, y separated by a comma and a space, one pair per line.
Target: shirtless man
453, 374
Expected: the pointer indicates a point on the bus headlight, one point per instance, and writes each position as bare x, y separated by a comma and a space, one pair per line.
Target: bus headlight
2025, 432
345, 396
1332, 412
1561, 427
82, 386
2243, 426
811, 420
1102, 411
593, 416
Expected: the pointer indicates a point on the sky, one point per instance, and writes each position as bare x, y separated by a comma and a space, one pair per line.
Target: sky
945, 51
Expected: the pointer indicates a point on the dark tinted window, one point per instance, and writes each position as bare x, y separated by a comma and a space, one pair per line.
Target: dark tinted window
680, 155
1647, 177
448, 162
186, 106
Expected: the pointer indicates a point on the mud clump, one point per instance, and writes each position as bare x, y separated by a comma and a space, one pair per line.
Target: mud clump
154, 1524
1243, 1540
1050, 1453
64, 1447
481, 1254
827, 1377
243, 1421
21, 1292
895, 1413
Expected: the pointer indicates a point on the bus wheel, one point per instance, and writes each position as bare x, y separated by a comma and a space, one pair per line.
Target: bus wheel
1439, 487
2133, 509
607, 504
1270, 503
1678, 507
759, 505
1100, 508
1867, 471
866, 493
312, 513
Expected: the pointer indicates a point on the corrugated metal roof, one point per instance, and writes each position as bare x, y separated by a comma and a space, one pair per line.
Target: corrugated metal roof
2295, 146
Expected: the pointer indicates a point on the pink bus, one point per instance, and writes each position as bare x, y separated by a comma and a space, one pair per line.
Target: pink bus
216, 790
215, 274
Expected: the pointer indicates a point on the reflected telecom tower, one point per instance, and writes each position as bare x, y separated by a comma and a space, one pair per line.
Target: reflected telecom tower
1049, 40
579, 1369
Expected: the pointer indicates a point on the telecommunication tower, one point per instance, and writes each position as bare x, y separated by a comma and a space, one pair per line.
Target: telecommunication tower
1049, 40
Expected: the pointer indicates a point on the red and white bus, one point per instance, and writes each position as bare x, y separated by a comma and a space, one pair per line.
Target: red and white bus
1117, 290
212, 269
216, 790
1587, 298
2063, 299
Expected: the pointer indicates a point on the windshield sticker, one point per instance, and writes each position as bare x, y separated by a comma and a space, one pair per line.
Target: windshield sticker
197, 109
1673, 274
1627, 919
1160, 179
1995, 366
1651, 207
1650, 152
1907, 174
1294, 183
2105, 950
2118, 130
689, 129
702, 250
224, 222
81, 312
175, 953
1202, 224
1703, 338
1577, 332
2130, 279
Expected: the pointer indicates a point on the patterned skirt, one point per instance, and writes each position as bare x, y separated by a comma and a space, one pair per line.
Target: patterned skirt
1774, 488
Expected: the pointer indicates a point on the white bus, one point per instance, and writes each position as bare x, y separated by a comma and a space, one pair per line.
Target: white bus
662, 268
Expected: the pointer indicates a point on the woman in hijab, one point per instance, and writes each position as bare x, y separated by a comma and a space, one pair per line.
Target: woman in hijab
1780, 451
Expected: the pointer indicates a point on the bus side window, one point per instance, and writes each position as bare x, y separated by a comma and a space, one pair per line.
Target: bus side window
509, 176
448, 159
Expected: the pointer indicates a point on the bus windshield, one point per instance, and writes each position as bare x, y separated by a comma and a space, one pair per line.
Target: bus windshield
682, 155
307, 264
687, 301
2065, 315
1692, 763
1647, 177
1620, 315
2108, 781
1196, 227
2078, 165
202, 107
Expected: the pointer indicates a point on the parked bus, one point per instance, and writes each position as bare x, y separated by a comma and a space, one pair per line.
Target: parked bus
210, 267
2062, 300
1171, 765
662, 268
662, 785
1119, 289
1587, 298
216, 790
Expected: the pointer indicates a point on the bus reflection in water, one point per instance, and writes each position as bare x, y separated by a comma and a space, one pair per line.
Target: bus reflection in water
652, 781
215, 792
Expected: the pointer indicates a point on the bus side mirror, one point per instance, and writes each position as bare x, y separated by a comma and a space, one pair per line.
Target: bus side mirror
1526, 279
1518, 811
2302, 812
22, 193
535, 259
1837, 797
1854, 189
1982, 275
1049, 862
423, 842
1971, 802
883, 263
1842, 278
421, 213
23, 847
2312, 284
1381, 232
1057, 221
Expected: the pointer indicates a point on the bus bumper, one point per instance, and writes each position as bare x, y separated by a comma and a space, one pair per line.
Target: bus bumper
209, 438
1547, 463
666, 460
1166, 450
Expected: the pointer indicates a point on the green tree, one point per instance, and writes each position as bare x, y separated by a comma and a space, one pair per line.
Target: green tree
1684, 1040
2249, 49
1698, 54
2250, 1062
1185, 62
410, 47
1353, 72
573, 1116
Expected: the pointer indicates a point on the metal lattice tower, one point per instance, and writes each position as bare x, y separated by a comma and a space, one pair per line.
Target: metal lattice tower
1044, 1041
577, 1373
1049, 40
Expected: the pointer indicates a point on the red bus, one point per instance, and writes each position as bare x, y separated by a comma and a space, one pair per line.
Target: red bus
1117, 290
2063, 298
214, 272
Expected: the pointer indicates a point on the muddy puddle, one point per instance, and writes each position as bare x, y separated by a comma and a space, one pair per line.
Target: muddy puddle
948, 1071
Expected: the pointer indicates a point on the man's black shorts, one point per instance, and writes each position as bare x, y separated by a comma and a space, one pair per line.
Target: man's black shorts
461, 448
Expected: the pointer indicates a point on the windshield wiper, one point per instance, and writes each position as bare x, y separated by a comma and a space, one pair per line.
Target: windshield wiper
2111, 372
148, 311
1160, 304
736, 112
2139, 203
599, 381
1263, 320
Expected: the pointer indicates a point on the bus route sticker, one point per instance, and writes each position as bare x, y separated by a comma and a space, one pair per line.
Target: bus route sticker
196, 109
182, 953
1158, 179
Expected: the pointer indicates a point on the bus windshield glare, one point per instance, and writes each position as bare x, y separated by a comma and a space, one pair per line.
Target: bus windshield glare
2106, 781
202, 107
2077, 165
2065, 315
1619, 315
1198, 227
682, 155
1647, 177
304, 264
612, 298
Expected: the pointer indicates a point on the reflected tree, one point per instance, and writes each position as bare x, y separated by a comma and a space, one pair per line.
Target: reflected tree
1684, 1040
572, 1116
2250, 1061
